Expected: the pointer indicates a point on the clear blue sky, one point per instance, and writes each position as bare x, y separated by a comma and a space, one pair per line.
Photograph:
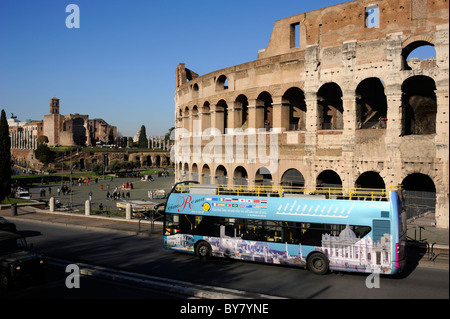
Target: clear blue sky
120, 64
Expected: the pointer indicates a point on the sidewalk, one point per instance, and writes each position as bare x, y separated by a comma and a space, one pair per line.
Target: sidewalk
104, 223
422, 235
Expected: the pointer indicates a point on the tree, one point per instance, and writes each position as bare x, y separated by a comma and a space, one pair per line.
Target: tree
143, 142
111, 137
5, 157
42, 139
44, 154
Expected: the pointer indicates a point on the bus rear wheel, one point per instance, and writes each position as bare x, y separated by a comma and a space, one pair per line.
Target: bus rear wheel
318, 264
203, 250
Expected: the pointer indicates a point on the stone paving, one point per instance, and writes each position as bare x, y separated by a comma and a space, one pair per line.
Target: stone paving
100, 189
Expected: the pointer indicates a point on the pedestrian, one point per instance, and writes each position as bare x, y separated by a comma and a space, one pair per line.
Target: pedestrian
58, 191
90, 196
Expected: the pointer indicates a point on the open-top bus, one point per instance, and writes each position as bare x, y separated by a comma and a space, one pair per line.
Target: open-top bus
332, 229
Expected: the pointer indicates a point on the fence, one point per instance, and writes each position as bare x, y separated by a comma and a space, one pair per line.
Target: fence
417, 203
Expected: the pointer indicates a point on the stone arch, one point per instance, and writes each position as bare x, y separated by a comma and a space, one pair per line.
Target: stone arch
295, 98
330, 107
148, 161
329, 178
241, 108
419, 106
265, 101
240, 176
157, 161
194, 172
411, 44
370, 179
371, 104
186, 172
222, 82
419, 194
206, 174
263, 177
222, 116
221, 175
292, 177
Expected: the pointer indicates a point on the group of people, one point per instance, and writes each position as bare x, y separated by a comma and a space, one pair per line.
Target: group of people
116, 195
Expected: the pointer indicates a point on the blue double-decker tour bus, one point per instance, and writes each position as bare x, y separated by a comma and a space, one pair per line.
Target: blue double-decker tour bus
322, 229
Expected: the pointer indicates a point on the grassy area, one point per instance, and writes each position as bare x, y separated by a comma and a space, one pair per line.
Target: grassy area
13, 201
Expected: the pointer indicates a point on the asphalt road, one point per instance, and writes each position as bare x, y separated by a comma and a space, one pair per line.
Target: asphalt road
145, 254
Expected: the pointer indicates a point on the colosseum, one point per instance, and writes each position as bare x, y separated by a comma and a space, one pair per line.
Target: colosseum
332, 100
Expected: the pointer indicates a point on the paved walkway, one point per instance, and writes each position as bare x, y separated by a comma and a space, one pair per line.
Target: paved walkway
100, 190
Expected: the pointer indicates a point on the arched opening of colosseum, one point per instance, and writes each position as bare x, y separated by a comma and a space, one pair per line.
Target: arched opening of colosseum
194, 110
371, 104
263, 177
186, 119
292, 178
418, 55
241, 109
419, 195
180, 171
206, 174
222, 116
221, 175
329, 178
419, 106
206, 116
195, 129
79, 131
240, 176
194, 175
186, 172
295, 99
222, 83
330, 107
265, 100
371, 180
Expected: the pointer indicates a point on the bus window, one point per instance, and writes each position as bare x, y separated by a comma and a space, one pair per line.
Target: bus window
172, 224
207, 226
312, 234
273, 231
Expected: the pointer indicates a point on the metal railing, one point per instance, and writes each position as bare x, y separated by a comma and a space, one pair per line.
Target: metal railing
431, 253
281, 191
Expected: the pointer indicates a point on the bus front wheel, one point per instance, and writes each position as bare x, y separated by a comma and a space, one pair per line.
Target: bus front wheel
318, 264
203, 250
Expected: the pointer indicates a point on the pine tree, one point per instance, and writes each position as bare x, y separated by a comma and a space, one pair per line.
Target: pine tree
5, 157
143, 142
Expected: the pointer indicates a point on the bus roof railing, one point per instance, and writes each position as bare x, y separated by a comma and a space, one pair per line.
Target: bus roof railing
371, 194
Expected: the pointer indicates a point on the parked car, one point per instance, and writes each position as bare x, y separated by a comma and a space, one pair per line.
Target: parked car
7, 225
18, 262
23, 194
